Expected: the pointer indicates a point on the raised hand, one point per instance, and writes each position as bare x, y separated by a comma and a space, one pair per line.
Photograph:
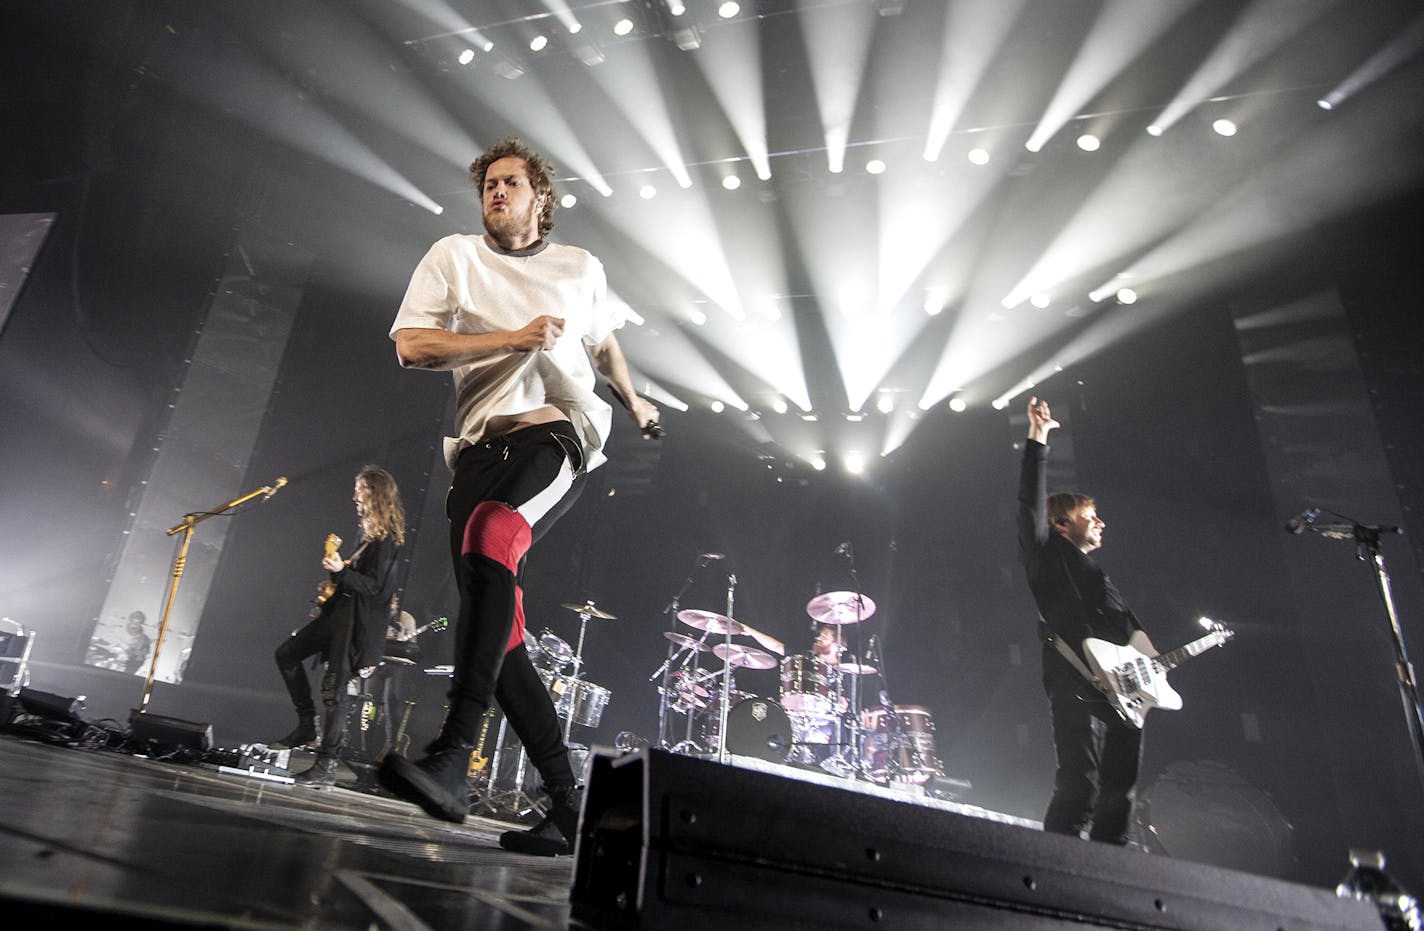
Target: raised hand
1040, 420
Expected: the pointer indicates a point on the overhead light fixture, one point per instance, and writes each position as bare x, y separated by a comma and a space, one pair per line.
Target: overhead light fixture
731, 182
1089, 143
1039, 300
779, 405
538, 43
1126, 296
1224, 127
717, 407
466, 56
875, 166
568, 200
622, 27
647, 192
729, 9
978, 156
957, 404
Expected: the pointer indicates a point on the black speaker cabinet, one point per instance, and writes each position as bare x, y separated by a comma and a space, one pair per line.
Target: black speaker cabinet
669, 841
171, 733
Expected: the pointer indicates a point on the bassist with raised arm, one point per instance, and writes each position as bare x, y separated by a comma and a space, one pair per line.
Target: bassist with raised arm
1098, 753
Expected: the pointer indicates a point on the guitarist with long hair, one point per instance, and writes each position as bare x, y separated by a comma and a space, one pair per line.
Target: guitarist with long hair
348, 628
1098, 753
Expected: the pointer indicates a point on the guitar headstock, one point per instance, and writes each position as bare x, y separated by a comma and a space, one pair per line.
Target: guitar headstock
333, 544
440, 623
1217, 632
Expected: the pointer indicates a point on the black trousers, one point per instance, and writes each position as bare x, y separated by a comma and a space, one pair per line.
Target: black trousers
329, 635
524, 468
1099, 756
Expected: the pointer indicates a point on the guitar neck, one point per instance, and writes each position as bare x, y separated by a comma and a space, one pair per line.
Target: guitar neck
1174, 658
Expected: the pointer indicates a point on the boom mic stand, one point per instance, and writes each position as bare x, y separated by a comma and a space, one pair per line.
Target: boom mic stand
1367, 549
186, 527
673, 650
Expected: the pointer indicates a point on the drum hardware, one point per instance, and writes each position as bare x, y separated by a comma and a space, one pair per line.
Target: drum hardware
750, 657
683, 641
588, 610
576, 700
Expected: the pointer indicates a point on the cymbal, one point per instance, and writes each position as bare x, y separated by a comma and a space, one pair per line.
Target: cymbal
683, 640
840, 608
588, 608
750, 657
710, 622
856, 669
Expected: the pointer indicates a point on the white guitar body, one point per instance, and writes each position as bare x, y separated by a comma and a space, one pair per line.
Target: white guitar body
1134, 677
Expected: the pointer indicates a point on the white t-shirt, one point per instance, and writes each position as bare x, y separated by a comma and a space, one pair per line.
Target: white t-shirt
464, 286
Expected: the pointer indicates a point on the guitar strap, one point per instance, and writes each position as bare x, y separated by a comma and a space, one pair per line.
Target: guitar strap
1073, 660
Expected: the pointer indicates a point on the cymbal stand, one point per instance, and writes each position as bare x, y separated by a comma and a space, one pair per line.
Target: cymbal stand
726, 673
666, 670
851, 749
577, 674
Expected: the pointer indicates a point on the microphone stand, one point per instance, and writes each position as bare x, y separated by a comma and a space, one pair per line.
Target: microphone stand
726, 673
673, 650
186, 527
1367, 549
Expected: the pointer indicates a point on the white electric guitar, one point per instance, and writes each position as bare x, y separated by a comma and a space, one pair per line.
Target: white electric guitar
1134, 677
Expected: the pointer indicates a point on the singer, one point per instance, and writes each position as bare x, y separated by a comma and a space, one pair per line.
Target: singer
516, 320
1098, 753
348, 629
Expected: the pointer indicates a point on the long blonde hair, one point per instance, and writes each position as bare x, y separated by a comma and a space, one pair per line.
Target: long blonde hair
385, 514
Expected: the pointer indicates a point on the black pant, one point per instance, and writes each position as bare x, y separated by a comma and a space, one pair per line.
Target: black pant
329, 635
512, 470
1099, 756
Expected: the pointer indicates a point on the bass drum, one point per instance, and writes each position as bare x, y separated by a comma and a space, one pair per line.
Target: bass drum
756, 727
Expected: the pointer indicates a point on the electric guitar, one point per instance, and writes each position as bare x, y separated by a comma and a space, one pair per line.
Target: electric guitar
326, 588
404, 649
1134, 677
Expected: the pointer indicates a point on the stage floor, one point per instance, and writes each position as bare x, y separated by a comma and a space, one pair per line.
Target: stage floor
153, 844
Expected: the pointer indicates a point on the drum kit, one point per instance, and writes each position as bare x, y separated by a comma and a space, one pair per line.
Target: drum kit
576, 700
817, 722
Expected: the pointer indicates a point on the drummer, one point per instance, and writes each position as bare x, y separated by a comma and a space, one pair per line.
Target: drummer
827, 646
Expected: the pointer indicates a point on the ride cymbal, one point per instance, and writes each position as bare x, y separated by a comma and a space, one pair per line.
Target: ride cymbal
840, 608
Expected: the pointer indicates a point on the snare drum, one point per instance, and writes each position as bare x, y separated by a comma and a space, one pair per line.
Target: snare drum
756, 727
807, 685
907, 756
581, 701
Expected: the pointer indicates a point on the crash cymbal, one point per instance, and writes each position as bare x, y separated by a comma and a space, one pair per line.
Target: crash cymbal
750, 657
857, 669
683, 640
588, 608
710, 622
840, 608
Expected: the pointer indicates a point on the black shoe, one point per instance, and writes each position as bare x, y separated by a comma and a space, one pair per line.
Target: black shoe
322, 774
554, 836
303, 735
438, 782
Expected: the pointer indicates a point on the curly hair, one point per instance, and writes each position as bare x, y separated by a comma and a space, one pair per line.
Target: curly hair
385, 514
539, 169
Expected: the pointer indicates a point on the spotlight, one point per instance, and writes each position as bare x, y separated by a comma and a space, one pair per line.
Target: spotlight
729, 9
885, 404
622, 27
1089, 143
575, 28
855, 417
1000, 403
854, 463
875, 166
568, 200
934, 301
717, 407
779, 405
809, 417
1126, 296
467, 56
1154, 130
1224, 127
818, 462
957, 405
697, 317
676, 7
537, 43
1039, 300
731, 182
1325, 104
647, 192
978, 156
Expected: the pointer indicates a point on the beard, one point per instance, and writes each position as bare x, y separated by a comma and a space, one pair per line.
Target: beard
509, 226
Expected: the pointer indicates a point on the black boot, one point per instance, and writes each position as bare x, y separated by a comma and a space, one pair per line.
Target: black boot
438, 782
322, 774
555, 834
303, 735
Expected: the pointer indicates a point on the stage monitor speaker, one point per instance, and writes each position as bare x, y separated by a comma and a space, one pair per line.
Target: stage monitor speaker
669, 841
166, 732
49, 705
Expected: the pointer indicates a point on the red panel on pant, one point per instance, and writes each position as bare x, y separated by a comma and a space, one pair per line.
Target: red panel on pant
498, 532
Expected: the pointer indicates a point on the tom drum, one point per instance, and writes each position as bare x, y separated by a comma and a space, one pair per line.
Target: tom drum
902, 749
582, 701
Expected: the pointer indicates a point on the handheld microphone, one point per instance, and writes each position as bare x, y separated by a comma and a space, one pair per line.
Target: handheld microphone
1302, 520
273, 488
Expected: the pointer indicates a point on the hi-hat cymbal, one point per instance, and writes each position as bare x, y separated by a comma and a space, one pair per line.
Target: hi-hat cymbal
750, 657
710, 622
588, 608
856, 669
840, 608
683, 640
